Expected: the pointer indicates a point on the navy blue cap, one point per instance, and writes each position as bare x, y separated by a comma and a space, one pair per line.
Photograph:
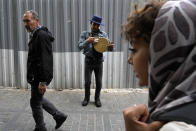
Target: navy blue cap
97, 20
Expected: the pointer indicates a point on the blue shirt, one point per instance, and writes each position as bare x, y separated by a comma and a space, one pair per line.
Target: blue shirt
31, 33
88, 49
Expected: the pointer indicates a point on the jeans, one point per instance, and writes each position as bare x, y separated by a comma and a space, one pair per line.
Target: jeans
38, 103
90, 66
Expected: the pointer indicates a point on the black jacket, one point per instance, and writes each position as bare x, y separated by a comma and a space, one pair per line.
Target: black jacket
40, 58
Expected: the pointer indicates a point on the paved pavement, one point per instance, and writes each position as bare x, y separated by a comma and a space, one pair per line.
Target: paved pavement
15, 112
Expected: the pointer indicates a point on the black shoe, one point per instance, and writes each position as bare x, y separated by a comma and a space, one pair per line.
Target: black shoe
59, 120
40, 129
98, 102
85, 102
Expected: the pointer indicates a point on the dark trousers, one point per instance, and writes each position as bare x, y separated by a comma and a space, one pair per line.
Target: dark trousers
38, 103
90, 66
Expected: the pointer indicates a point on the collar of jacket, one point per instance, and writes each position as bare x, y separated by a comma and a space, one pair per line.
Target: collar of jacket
33, 32
96, 33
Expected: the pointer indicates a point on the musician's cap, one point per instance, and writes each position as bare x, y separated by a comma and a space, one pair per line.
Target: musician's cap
97, 20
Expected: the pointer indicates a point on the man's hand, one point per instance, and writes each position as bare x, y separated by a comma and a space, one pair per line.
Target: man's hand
41, 88
110, 46
91, 39
135, 119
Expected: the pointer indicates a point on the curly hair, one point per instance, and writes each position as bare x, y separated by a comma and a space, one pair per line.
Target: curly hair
140, 22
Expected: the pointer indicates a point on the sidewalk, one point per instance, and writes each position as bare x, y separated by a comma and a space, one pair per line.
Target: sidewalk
15, 112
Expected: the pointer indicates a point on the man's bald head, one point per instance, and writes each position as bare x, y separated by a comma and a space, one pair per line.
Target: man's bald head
31, 20
33, 13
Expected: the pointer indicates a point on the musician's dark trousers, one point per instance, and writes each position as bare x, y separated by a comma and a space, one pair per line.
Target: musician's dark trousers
38, 103
90, 66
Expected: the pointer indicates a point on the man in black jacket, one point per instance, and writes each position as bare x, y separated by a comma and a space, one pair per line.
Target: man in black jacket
40, 70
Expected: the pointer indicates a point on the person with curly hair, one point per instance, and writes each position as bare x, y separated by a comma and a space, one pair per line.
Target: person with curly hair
162, 35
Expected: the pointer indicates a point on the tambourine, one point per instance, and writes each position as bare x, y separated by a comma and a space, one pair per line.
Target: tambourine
101, 44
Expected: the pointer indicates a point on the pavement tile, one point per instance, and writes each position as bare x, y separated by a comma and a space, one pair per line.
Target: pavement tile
15, 111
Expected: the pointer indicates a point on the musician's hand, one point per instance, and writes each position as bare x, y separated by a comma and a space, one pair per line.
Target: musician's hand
91, 39
41, 88
111, 45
